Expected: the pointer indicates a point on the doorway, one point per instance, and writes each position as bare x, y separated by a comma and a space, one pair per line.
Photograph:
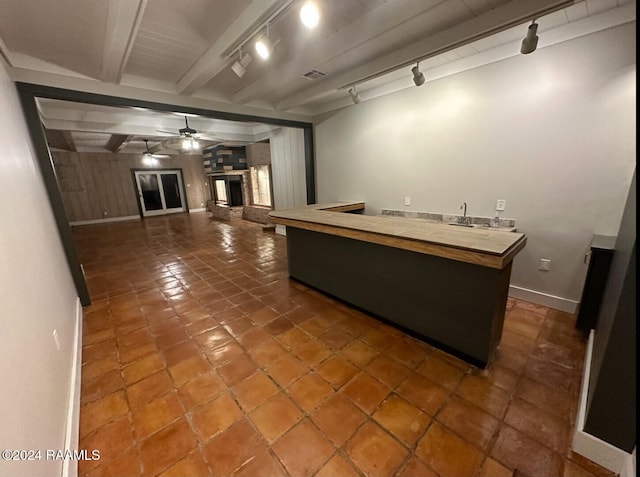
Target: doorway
29, 93
160, 192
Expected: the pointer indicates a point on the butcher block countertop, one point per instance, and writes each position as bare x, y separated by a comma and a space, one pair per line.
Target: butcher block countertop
485, 247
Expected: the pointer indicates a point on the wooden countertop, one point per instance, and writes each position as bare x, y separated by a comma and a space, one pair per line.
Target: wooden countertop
490, 248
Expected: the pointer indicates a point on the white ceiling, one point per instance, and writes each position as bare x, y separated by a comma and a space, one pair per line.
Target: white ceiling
184, 50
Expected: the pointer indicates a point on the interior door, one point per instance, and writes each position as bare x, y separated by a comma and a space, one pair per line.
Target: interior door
160, 192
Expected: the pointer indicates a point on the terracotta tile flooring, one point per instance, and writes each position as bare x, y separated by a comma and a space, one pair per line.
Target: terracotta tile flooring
201, 357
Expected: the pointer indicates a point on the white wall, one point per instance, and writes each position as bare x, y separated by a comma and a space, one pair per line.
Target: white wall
552, 132
37, 296
287, 167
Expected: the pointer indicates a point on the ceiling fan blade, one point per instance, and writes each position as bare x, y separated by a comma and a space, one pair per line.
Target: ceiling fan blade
207, 137
173, 133
160, 156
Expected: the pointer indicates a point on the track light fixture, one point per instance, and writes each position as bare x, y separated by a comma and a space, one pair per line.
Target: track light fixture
530, 42
309, 14
418, 77
240, 65
264, 46
355, 97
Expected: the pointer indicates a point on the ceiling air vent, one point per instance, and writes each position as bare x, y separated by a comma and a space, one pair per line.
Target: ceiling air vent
314, 74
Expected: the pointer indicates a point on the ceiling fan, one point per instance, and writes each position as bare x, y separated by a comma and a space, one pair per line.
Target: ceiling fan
187, 139
147, 154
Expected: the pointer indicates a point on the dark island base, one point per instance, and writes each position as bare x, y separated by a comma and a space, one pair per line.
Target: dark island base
436, 344
456, 306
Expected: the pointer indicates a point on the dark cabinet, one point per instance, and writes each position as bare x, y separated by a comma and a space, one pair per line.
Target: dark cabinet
599, 258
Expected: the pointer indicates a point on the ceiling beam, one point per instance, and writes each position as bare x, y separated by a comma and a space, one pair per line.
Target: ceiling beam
57, 140
123, 23
213, 60
485, 24
117, 142
360, 32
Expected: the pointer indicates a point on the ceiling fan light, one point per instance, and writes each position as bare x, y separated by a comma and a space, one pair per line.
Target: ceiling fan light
309, 15
195, 144
186, 144
264, 47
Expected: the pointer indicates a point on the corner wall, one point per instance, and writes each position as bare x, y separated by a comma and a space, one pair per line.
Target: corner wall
611, 399
552, 133
38, 296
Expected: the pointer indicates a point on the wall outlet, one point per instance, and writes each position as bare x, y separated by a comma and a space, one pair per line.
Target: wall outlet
544, 264
407, 200
500, 204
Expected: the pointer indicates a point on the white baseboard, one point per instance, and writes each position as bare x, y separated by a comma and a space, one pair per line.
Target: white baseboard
70, 466
591, 447
539, 298
629, 469
281, 229
104, 221
202, 209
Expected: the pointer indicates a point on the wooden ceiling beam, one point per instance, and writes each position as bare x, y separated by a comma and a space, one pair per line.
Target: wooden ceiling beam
117, 142
123, 22
213, 61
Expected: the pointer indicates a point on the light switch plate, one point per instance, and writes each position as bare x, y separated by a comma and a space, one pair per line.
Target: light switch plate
500, 204
407, 200
544, 264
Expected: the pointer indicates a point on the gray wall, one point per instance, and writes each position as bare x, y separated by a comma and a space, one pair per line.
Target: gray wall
552, 132
611, 400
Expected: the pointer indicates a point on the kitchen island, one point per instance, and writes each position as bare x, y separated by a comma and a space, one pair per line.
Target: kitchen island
444, 284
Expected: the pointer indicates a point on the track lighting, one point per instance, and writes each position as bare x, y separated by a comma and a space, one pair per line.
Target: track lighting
355, 97
309, 14
418, 77
530, 42
240, 65
264, 46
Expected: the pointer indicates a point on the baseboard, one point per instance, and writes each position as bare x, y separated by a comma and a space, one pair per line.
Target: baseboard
539, 298
629, 469
70, 466
591, 447
202, 209
281, 230
104, 221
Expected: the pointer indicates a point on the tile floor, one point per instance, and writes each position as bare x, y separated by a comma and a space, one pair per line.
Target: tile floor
201, 357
